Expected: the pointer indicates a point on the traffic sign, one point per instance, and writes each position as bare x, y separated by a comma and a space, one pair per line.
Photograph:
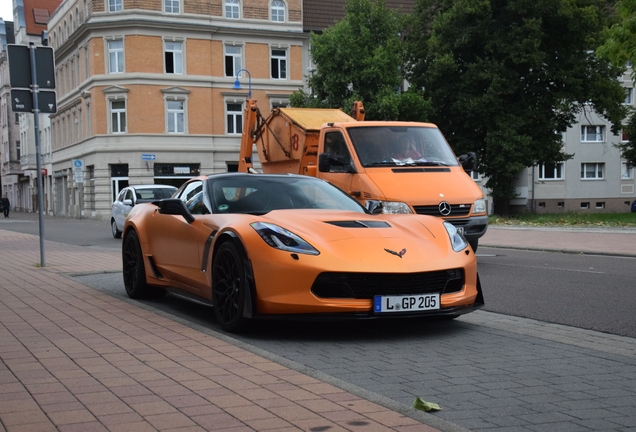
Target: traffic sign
20, 66
78, 165
148, 156
78, 176
22, 101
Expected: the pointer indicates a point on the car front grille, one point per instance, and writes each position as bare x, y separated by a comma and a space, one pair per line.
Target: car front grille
433, 210
367, 285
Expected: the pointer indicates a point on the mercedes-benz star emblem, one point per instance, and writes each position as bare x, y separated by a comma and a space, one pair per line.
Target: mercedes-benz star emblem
444, 208
392, 252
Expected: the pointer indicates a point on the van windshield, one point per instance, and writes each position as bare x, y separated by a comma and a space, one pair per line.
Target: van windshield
379, 146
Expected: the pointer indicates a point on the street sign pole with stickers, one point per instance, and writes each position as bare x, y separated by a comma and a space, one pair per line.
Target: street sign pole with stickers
32, 68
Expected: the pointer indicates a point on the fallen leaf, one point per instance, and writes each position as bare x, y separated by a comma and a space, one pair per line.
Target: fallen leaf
422, 405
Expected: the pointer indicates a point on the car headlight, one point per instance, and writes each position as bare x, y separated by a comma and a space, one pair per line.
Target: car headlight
394, 207
458, 242
279, 238
479, 206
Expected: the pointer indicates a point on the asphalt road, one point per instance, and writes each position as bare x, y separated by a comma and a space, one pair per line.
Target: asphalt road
587, 291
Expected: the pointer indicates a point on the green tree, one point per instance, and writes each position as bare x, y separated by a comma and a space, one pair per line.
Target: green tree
620, 48
507, 77
362, 58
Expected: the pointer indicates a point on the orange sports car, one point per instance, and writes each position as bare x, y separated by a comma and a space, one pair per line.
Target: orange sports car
264, 245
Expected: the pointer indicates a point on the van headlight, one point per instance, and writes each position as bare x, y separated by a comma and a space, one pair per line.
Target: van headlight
458, 242
395, 207
479, 206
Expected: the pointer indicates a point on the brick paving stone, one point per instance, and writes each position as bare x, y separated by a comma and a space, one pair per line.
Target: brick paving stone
168, 421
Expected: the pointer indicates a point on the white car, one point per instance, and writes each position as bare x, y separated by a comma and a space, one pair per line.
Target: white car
132, 195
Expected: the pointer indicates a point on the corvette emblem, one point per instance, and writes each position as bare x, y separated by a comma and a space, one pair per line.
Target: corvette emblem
392, 252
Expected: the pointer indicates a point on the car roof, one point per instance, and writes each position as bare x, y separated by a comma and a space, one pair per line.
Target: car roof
152, 186
258, 175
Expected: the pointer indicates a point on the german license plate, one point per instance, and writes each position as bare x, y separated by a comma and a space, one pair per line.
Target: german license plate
406, 303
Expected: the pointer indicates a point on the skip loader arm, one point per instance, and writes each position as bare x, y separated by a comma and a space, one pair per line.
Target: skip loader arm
249, 135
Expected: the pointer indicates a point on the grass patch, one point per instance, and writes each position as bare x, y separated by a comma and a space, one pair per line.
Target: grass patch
568, 219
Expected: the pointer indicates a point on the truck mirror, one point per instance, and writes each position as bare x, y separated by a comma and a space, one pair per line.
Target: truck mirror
468, 161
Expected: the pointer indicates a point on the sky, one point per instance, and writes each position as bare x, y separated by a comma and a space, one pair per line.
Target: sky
6, 10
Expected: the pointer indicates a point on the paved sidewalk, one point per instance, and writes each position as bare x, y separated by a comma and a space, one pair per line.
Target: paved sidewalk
605, 241
75, 359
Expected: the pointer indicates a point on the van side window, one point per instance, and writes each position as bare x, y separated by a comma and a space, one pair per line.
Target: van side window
336, 147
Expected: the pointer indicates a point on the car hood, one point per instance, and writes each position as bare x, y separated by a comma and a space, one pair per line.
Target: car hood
432, 184
406, 242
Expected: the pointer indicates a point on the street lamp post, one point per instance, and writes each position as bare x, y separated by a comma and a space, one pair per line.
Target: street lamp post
237, 83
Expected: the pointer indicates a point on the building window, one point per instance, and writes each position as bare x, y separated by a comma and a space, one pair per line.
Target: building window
560, 204
118, 116
629, 96
85, 62
624, 137
593, 171
475, 175
17, 118
279, 103
592, 133
116, 56
278, 11
551, 171
600, 205
234, 116
174, 57
40, 16
172, 6
115, 5
585, 205
233, 60
176, 117
627, 171
279, 64
232, 9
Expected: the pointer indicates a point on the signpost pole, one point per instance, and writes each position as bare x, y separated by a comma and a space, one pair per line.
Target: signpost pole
36, 125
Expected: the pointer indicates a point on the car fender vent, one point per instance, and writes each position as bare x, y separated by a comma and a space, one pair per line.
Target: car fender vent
360, 224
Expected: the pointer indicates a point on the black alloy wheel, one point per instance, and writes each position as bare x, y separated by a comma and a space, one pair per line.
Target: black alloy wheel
133, 265
228, 287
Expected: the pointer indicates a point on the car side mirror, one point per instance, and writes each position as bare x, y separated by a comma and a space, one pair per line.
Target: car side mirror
128, 202
174, 206
468, 161
375, 206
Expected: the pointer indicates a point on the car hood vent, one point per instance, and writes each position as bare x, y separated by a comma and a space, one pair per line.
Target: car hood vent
360, 224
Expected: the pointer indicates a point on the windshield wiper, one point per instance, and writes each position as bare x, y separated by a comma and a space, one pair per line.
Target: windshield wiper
428, 163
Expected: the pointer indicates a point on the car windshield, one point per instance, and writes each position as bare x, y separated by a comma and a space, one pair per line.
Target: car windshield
379, 146
262, 194
151, 194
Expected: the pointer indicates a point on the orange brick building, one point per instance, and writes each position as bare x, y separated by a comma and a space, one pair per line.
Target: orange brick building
146, 89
